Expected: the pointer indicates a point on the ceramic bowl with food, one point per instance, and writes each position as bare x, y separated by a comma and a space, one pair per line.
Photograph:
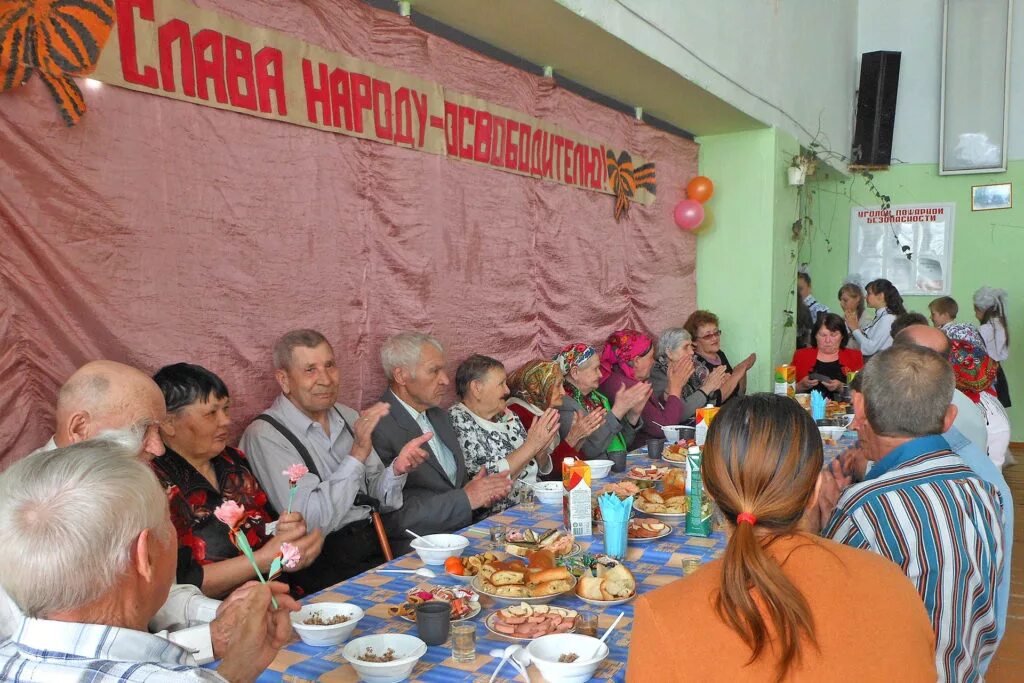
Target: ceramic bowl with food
436, 548
549, 492
402, 649
546, 651
323, 624
599, 469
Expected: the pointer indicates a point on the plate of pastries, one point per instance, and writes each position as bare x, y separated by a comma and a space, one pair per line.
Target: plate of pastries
535, 581
668, 502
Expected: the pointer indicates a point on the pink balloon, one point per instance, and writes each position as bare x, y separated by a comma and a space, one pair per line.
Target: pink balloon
689, 214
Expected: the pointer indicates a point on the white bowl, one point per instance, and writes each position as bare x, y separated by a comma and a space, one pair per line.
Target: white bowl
447, 545
671, 433
545, 651
549, 492
323, 636
599, 469
407, 648
834, 433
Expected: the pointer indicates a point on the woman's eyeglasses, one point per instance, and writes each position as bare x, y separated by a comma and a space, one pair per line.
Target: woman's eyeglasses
711, 335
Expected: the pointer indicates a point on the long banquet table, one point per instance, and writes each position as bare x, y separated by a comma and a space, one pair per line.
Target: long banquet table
654, 564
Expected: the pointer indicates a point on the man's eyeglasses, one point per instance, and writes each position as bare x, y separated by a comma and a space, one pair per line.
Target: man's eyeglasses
711, 335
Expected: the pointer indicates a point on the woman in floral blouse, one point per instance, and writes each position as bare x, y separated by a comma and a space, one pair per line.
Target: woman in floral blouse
491, 436
200, 471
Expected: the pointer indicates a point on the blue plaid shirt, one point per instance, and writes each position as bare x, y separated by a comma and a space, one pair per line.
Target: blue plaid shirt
62, 652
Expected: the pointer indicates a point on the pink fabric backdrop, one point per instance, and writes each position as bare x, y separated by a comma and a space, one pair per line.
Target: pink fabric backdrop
158, 231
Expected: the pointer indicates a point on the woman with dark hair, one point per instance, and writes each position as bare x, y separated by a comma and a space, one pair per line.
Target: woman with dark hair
882, 296
493, 437
825, 365
200, 472
708, 355
781, 604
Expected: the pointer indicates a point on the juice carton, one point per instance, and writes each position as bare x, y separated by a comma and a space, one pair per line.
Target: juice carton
704, 417
785, 380
698, 517
576, 500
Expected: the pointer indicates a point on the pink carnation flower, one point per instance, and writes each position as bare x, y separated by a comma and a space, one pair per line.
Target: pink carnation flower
231, 513
290, 555
295, 472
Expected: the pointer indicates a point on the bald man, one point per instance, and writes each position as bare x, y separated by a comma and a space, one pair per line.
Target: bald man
104, 396
970, 419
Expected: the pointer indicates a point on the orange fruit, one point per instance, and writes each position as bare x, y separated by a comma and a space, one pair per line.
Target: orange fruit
453, 565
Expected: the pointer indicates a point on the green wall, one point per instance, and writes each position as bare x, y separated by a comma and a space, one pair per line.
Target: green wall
988, 246
746, 257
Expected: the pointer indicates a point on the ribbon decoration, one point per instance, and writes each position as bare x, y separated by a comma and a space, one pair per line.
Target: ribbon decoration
625, 181
58, 39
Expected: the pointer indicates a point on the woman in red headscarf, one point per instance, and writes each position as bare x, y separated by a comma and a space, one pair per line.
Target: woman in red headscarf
627, 360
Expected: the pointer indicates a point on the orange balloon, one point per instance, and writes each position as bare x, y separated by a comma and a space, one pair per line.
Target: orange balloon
700, 188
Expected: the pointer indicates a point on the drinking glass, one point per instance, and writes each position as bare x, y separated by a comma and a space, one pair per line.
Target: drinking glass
464, 642
586, 624
498, 536
690, 565
527, 499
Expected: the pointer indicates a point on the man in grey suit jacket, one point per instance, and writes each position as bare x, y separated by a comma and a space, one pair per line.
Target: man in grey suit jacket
439, 496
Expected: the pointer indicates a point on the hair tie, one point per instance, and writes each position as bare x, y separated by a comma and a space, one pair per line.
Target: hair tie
746, 517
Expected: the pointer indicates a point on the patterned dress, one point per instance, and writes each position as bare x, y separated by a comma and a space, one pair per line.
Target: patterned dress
486, 445
193, 499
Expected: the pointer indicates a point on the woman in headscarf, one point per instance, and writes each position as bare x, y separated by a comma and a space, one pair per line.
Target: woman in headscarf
975, 374
536, 387
622, 419
627, 361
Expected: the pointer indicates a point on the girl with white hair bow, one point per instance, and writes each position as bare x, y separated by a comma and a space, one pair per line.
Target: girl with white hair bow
990, 309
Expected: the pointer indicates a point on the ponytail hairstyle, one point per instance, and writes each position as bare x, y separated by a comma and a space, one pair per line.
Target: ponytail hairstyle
853, 289
761, 460
893, 300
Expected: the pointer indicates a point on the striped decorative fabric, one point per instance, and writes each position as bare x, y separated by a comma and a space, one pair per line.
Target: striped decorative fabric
925, 510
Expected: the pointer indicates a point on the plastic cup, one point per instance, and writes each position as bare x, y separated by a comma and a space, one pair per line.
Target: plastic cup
618, 461
655, 447
433, 621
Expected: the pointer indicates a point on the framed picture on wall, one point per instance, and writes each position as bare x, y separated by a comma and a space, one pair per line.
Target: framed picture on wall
910, 245
989, 197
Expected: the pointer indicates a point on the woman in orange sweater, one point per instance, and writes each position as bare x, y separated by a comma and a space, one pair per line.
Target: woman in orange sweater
781, 604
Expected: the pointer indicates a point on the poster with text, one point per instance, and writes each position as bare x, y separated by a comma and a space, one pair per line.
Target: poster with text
910, 245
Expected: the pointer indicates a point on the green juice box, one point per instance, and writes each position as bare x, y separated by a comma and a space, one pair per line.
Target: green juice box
698, 518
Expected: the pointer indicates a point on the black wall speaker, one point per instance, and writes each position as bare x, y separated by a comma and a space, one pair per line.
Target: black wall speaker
876, 109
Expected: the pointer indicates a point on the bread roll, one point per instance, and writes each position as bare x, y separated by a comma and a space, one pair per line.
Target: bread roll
589, 587
550, 588
553, 574
508, 578
517, 591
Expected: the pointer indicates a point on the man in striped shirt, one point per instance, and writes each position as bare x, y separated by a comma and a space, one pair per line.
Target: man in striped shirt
924, 508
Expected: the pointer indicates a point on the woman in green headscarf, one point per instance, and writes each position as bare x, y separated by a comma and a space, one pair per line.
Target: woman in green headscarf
581, 368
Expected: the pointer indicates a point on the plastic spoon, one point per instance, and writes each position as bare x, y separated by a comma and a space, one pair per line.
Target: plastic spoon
430, 543
507, 655
606, 634
422, 571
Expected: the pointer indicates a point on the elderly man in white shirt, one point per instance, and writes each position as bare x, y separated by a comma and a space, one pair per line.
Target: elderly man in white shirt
307, 424
105, 395
93, 558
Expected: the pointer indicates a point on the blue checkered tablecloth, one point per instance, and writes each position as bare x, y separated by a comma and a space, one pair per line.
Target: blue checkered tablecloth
654, 564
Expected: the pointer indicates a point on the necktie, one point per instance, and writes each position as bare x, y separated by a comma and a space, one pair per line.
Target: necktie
441, 452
